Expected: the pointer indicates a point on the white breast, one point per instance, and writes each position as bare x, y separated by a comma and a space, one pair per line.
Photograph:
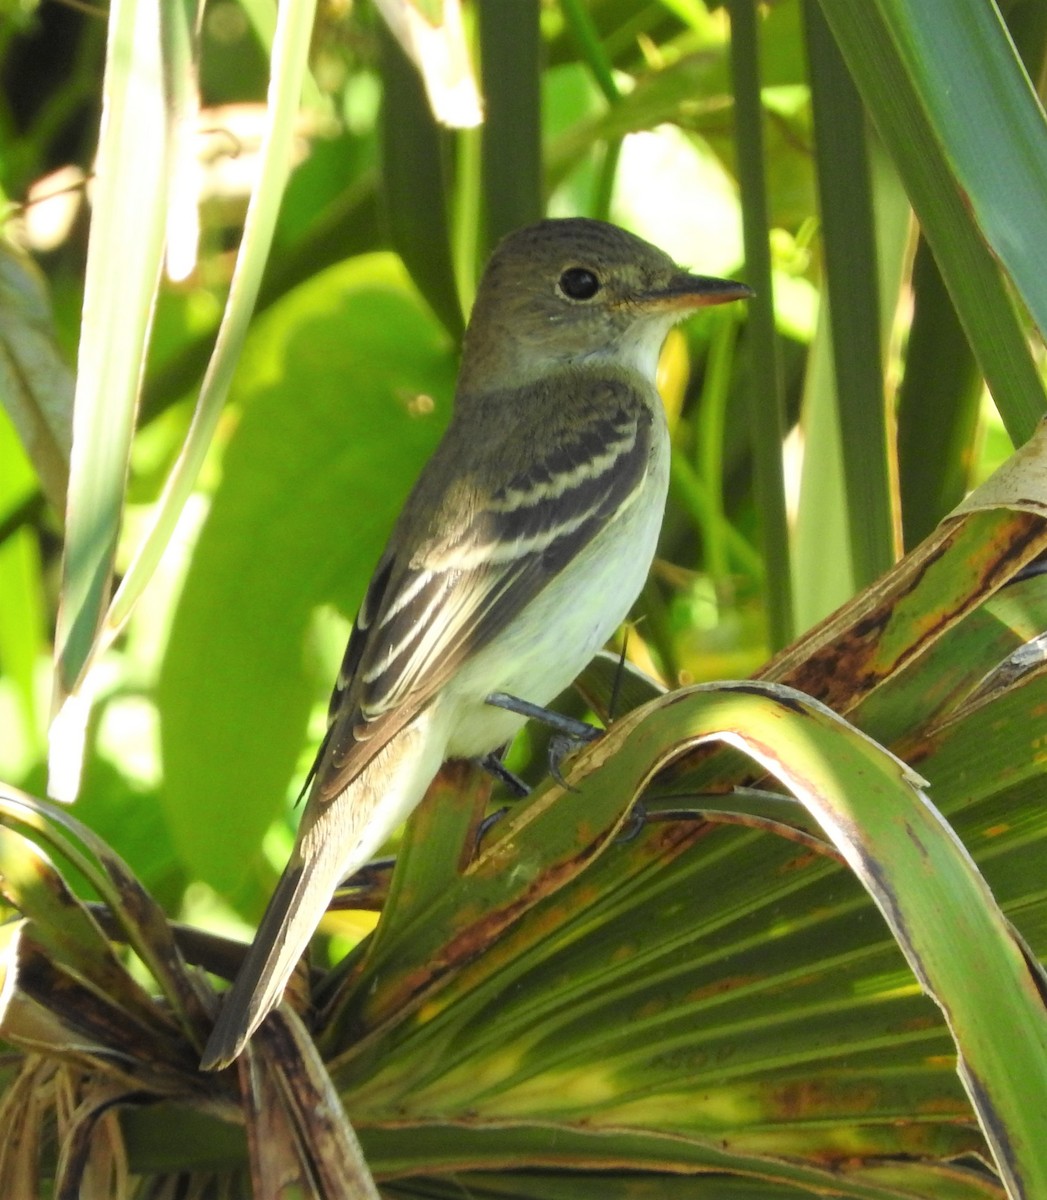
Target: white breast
550, 642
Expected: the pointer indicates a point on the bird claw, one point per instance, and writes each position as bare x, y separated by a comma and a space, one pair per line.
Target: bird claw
487, 824
633, 825
560, 746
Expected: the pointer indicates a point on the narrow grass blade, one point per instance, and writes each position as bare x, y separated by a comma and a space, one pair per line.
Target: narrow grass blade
415, 187
433, 37
123, 266
144, 923
940, 83
289, 66
179, 29
848, 235
766, 390
510, 63
63, 925
295, 1120
938, 404
36, 386
587, 38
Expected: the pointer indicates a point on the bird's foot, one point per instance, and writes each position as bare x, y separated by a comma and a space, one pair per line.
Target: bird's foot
633, 824
569, 732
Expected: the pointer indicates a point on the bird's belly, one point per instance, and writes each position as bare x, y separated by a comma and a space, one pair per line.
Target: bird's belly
548, 644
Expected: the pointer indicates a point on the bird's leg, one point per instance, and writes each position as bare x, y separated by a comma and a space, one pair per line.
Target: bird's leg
616, 687
569, 727
569, 732
493, 765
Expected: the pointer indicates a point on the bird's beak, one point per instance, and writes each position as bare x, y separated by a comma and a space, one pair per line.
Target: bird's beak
685, 291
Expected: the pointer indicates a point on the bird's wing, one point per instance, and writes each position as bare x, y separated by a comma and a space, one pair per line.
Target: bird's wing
421, 619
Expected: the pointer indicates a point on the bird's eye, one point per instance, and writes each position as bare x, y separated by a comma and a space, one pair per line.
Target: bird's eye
576, 283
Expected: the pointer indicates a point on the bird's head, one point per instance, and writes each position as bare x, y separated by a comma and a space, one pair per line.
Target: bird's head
563, 292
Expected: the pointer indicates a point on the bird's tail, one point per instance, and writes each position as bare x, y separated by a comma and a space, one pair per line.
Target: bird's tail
335, 838
300, 900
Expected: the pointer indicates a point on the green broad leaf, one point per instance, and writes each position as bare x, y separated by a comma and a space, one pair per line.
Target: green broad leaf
345, 386
22, 615
551, 1184
718, 998
723, 998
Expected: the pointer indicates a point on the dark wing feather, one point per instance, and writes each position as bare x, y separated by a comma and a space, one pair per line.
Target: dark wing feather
422, 618
372, 603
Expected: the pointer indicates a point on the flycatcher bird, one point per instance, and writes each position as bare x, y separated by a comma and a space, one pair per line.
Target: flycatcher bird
521, 548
